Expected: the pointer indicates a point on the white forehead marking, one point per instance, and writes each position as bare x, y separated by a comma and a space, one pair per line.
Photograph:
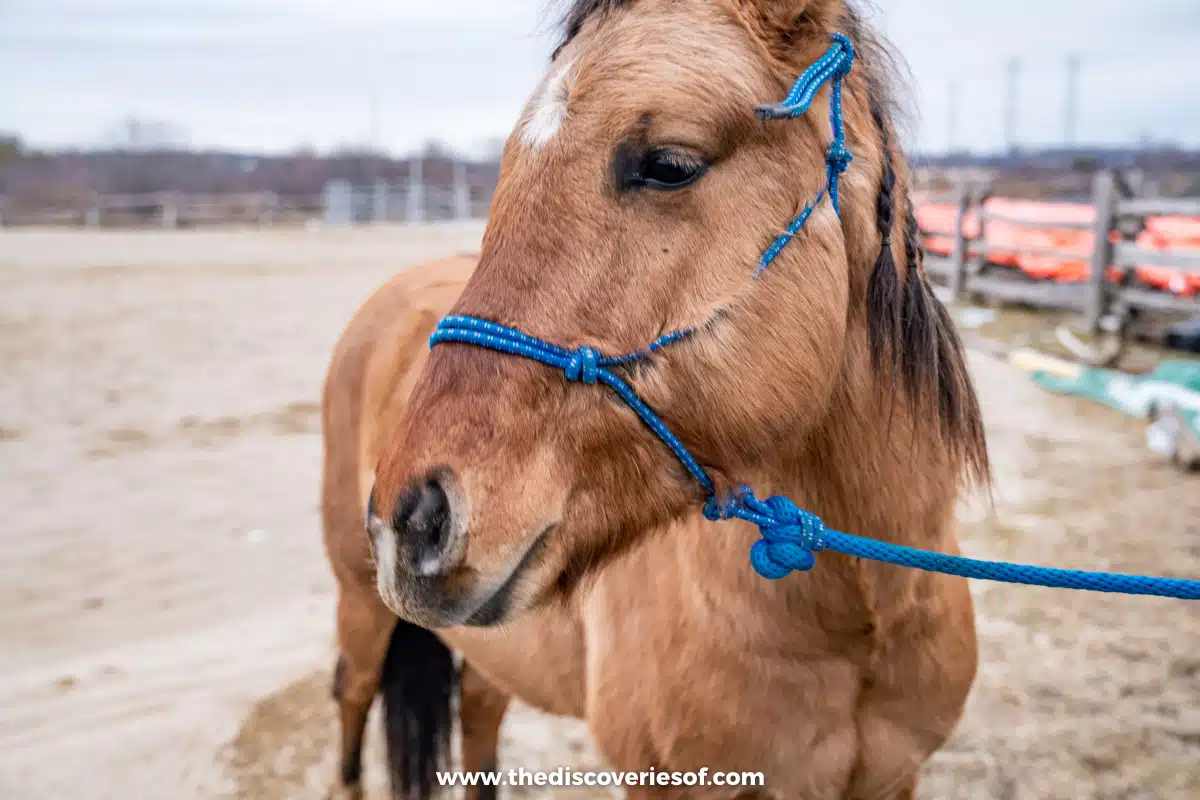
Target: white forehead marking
548, 109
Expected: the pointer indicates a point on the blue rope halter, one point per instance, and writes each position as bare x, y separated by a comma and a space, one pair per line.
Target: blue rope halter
790, 535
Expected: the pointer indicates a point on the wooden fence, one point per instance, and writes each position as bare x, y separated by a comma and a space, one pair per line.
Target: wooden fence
412, 201
1113, 279
166, 209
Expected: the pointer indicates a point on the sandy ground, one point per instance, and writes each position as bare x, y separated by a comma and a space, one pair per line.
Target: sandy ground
166, 611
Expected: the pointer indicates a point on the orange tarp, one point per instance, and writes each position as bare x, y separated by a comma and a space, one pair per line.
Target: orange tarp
1161, 233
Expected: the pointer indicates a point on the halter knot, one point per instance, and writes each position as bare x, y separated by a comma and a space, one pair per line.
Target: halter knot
838, 156
716, 511
829, 68
845, 57
790, 537
583, 365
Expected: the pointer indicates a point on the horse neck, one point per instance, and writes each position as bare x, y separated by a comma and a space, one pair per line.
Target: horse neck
873, 467
876, 465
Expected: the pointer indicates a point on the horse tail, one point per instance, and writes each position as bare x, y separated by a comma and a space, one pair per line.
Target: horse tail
418, 685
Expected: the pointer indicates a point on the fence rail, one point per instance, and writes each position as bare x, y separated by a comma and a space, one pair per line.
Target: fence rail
1046, 224
1130, 255
1154, 206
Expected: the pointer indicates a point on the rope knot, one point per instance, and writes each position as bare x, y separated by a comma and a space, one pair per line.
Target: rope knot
716, 511
838, 157
583, 365
790, 537
845, 59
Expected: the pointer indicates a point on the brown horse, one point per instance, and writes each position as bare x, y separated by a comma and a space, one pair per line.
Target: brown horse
545, 534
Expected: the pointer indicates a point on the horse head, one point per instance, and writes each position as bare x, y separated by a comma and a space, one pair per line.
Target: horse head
638, 195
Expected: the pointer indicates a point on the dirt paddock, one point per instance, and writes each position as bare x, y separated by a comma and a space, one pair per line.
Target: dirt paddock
166, 611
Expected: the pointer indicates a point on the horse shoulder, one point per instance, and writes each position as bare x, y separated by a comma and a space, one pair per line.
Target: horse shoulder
377, 355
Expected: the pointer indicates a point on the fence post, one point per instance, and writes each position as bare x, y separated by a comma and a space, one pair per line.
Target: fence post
338, 204
416, 191
91, 217
170, 209
462, 192
1104, 198
379, 201
958, 258
268, 209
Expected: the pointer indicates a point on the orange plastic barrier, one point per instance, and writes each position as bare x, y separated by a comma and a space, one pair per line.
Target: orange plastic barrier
1014, 240
1170, 233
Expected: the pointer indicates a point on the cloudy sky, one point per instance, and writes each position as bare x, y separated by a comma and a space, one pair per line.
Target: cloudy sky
270, 75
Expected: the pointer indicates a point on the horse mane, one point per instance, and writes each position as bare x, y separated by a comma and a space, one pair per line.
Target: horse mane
912, 335
914, 343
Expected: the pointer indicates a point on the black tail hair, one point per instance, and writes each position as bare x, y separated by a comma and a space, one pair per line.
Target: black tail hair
418, 686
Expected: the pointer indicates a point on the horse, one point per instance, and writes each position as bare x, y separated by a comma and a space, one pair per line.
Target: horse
498, 532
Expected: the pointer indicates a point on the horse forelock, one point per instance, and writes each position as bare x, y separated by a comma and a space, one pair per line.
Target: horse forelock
579, 11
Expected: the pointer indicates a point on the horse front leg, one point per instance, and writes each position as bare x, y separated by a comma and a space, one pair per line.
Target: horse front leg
364, 629
916, 695
481, 713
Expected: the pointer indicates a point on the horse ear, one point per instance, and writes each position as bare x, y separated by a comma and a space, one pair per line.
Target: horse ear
782, 23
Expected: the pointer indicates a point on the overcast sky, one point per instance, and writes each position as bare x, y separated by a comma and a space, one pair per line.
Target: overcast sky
269, 75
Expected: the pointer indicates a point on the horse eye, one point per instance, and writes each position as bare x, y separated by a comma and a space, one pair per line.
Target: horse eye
666, 170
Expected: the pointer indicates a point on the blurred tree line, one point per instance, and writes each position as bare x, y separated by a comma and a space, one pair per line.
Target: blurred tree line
143, 158
11, 148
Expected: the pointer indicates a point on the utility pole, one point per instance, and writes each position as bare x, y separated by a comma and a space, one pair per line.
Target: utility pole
416, 189
372, 151
952, 121
373, 141
1071, 101
1010, 114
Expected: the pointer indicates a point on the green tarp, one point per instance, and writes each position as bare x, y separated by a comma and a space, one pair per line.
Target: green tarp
1172, 385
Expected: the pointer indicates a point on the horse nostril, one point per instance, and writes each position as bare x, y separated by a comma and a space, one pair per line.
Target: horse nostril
422, 521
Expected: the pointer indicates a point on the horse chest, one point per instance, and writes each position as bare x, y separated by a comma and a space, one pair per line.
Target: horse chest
669, 690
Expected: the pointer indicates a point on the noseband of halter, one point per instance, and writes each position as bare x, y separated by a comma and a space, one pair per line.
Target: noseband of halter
790, 535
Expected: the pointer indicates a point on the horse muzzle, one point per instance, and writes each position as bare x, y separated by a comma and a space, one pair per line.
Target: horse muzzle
420, 572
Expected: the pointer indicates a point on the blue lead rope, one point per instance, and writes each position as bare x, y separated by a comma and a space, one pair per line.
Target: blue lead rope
790, 535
